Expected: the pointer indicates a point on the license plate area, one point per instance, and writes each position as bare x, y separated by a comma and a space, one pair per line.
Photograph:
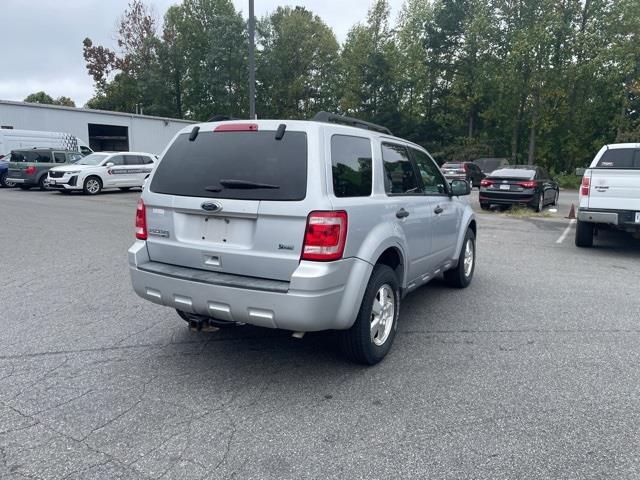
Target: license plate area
637, 217
505, 187
210, 230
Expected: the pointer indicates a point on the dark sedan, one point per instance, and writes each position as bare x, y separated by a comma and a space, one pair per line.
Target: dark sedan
468, 171
525, 185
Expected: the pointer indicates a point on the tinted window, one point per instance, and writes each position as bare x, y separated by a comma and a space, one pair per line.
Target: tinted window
351, 166
432, 180
74, 157
117, 160
132, 160
400, 177
60, 157
513, 173
619, 158
31, 156
200, 168
146, 160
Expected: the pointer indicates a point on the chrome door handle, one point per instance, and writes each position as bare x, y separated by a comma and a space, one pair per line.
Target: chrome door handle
438, 210
402, 213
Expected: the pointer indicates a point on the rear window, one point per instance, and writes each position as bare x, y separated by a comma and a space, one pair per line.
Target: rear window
620, 158
351, 166
514, 173
31, 156
236, 165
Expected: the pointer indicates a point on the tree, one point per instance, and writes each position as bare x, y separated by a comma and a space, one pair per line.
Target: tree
43, 97
297, 64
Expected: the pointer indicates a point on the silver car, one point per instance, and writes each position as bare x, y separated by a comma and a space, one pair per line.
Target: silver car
299, 225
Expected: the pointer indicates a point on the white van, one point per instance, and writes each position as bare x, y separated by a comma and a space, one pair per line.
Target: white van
20, 139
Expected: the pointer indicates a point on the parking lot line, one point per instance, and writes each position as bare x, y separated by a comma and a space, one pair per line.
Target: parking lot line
566, 231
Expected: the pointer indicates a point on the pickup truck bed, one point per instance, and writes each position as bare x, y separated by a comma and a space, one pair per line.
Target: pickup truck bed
610, 193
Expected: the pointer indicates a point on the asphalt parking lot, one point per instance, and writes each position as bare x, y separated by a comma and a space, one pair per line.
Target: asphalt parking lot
531, 372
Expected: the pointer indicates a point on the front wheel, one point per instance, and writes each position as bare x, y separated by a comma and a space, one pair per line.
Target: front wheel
92, 186
370, 338
462, 274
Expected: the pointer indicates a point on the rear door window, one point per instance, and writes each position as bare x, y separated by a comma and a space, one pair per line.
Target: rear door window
399, 175
351, 162
59, 157
236, 165
623, 158
132, 160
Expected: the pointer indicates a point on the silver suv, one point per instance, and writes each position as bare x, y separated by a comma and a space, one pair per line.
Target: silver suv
299, 225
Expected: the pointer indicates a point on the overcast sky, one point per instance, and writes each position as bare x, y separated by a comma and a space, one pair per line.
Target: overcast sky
42, 39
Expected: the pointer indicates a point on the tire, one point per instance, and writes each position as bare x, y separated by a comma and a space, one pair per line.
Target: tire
584, 234
462, 274
41, 184
4, 182
485, 206
125, 189
556, 198
92, 186
363, 342
539, 207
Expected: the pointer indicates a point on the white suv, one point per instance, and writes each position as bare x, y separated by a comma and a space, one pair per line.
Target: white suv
94, 172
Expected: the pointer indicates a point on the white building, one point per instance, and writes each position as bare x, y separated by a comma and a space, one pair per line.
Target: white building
101, 130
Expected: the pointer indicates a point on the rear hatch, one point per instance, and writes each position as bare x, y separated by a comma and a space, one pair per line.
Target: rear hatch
233, 200
615, 181
21, 160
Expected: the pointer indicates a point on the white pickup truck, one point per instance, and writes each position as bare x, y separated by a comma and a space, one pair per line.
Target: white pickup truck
610, 192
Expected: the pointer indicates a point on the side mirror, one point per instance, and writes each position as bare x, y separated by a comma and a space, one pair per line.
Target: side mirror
580, 172
109, 164
460, 188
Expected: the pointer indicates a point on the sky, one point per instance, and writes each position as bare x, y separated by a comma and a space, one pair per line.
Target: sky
42, 39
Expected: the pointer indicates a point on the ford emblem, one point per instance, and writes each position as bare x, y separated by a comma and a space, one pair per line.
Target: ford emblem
211, 206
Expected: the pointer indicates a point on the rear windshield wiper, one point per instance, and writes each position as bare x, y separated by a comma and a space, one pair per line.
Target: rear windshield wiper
244, 184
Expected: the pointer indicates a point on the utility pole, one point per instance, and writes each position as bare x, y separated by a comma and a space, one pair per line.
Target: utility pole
252, 62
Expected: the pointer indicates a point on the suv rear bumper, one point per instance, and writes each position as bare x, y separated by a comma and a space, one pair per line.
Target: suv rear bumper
320, 296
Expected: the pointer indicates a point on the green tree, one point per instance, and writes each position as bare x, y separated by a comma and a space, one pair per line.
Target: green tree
43, 97
297, 65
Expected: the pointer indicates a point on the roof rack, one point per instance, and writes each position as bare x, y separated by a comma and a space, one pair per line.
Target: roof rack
327, 117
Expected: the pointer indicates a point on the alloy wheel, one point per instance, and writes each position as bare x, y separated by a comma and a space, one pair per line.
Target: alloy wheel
382, 314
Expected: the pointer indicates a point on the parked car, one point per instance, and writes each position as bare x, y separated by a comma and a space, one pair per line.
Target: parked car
4, 170
98, 171
489, 165
525, 185
463, 171
13, 139
257, 222
610, 193
28, 168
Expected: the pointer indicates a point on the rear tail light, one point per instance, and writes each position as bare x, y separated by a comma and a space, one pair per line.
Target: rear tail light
585, 186
485, 183
237, 127
141, 221
465, 167
325, 236
30, 170
530, 184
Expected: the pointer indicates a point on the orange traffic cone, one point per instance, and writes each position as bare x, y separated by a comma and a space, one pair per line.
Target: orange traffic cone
572, 212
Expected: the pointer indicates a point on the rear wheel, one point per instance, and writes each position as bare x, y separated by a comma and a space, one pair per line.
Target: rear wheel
462, 274
372, 334
4, 182
92, 186
556, 198
41, 183
584, 234
540, 203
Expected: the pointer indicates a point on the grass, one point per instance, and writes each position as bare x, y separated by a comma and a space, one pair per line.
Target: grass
522, 212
